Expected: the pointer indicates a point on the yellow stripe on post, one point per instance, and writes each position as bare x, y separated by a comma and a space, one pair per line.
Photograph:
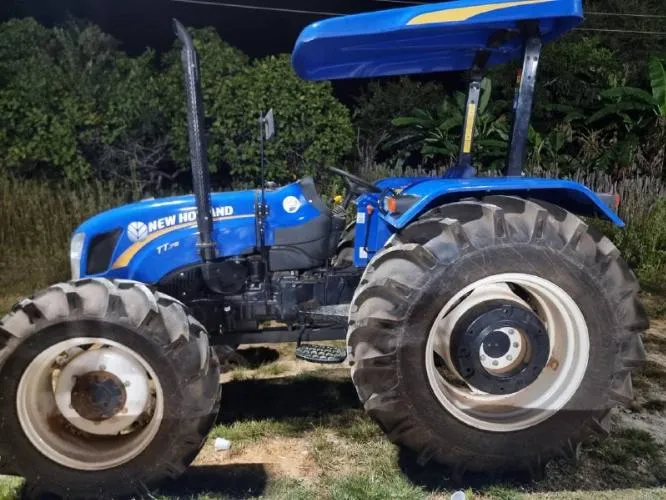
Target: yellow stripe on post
469, 129
465, 13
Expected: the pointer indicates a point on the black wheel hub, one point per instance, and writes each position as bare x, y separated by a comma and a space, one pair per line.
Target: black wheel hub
496, 344
98, 395
499, 347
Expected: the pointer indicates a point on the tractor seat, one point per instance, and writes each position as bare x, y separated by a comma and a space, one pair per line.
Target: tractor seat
310, 244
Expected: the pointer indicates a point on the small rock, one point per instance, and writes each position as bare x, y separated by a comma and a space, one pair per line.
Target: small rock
458, 495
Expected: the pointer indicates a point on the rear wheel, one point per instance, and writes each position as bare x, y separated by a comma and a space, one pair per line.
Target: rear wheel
495, 334
108, 388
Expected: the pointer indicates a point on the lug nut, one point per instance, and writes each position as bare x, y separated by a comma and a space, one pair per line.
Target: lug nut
509, 357
495, 363
511, 331
102, 367
483, 358
516, 345
126, 383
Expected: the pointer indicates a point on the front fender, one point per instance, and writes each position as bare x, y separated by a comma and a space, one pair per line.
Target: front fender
571, 196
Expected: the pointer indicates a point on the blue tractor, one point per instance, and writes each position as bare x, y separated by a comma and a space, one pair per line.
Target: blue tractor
488, 326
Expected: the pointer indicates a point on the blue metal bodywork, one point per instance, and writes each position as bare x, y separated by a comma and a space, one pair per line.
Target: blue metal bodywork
373, 230
170, 236
425, 38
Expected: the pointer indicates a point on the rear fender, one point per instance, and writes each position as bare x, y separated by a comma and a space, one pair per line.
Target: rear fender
571, 196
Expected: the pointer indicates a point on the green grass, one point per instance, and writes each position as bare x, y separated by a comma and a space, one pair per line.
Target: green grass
10, 487
655, 405
370, 486
264, 370
250, 431
626, 445
500, 492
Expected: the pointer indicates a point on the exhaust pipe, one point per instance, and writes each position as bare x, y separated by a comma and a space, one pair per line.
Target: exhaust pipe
198, 151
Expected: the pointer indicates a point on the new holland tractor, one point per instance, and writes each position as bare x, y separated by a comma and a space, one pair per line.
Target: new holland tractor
488, 326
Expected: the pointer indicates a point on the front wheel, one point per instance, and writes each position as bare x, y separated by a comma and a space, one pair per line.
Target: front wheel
495, 334
108, 388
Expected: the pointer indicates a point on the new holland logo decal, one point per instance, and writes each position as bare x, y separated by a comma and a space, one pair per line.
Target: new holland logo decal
137, 231
141, 233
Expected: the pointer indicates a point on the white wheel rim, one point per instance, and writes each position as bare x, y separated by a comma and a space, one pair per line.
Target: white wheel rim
58, 431
557, 383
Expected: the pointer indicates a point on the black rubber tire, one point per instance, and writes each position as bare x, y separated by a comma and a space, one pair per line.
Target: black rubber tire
230, 358
156, 327
406, 285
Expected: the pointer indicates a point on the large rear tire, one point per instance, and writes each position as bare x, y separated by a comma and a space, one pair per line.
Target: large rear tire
413, 319
107, 389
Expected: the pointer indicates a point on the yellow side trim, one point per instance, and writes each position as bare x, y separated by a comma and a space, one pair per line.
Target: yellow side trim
124, 259
132, 250
465, 13
469, 130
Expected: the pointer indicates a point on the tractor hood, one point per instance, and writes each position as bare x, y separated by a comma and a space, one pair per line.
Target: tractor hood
146, 240
109, 241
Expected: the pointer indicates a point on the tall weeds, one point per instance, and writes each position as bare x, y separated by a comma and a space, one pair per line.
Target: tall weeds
36, 223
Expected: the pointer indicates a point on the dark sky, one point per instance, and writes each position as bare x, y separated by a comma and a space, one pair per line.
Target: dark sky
141, 23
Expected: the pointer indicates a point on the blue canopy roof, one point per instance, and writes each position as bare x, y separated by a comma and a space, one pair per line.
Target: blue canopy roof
425, 38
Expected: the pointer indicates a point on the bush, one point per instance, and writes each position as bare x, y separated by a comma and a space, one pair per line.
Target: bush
70, 101
643, 245
313, 127
218, 61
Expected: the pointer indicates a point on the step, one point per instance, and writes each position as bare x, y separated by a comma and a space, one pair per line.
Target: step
321, 354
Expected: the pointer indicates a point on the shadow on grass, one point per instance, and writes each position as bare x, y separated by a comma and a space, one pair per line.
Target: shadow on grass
227, 481
629, 458
250, 358
297, 397
257, 356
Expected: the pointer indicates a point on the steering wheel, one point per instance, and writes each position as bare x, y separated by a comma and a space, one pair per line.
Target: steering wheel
355, 185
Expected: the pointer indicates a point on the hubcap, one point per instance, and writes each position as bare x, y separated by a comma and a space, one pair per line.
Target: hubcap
503, 350
90, 403
499, 347
515, 349
98, 396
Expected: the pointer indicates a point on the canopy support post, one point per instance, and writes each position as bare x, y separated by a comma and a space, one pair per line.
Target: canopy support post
471, 114
463, 166
522, 113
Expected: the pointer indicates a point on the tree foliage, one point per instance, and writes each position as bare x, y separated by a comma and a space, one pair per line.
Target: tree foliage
218, 61
313, 127
75, 107
68, 97
435, 133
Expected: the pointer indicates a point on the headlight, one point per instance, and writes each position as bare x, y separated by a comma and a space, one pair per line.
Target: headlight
75, 250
